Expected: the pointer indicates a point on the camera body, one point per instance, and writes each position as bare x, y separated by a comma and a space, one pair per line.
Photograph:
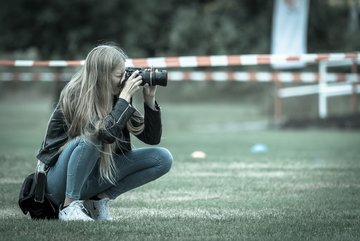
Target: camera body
149, 76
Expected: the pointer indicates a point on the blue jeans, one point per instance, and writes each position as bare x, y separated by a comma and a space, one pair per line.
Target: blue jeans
76, 173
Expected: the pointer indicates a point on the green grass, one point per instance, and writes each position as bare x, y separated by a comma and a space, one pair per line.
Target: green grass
306, 187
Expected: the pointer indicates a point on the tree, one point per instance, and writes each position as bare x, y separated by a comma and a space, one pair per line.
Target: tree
58, 29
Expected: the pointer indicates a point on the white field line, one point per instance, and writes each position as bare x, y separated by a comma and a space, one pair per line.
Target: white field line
245, 169
218, 195
200, 213
221, 166
260, 174
174, 196
319, 185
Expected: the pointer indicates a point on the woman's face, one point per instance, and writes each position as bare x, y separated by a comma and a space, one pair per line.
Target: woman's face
117, 77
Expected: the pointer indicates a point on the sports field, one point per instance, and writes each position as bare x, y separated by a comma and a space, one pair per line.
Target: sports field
305, 187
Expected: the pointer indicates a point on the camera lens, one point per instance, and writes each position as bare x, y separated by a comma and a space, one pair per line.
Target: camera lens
151, 77
161, 77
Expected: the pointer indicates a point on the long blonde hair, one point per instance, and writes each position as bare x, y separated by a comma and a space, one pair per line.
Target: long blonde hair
87, 99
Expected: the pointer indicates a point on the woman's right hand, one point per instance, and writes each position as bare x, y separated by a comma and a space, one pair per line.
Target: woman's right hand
132, 85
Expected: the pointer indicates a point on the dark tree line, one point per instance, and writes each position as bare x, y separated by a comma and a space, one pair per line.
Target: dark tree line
68, 29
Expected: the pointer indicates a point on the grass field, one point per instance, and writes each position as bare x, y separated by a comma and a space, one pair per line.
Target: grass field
305, 187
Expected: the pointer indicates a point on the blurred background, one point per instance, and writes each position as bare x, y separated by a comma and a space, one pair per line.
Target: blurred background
262, 148
67, 30
55, 29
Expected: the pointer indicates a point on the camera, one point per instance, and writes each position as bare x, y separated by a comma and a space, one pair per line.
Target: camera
149, 76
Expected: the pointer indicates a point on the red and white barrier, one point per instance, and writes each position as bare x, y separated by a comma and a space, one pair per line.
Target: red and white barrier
322, 78
301, 77
200, 61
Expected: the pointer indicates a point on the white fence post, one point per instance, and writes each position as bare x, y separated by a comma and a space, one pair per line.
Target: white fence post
322, 90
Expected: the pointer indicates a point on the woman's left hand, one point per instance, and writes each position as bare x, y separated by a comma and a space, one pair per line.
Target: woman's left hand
149, 95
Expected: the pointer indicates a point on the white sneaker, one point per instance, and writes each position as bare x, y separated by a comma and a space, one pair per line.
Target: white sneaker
75, 212
99, 209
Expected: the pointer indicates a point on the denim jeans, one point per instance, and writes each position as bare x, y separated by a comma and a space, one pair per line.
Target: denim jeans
76, 173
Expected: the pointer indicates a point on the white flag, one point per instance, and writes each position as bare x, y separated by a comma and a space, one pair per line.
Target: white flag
289, 30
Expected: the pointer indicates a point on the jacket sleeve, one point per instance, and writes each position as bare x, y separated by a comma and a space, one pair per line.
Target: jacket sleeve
115, 122
55, 137
153, 126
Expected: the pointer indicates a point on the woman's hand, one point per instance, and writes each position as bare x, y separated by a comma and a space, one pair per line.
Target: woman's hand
149, 95
132, 85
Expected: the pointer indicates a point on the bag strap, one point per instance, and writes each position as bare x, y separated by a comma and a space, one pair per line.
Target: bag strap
40, 182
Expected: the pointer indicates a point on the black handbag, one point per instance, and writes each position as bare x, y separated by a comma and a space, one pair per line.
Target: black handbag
34, 200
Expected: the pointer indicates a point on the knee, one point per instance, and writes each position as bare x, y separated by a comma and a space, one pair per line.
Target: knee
92, 147
166, 159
